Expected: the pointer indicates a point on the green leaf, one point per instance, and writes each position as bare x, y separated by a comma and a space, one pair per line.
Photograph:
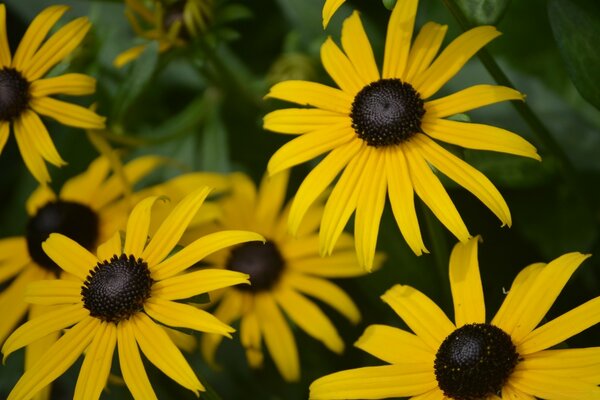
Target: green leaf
483, 12
576, 28
214, 147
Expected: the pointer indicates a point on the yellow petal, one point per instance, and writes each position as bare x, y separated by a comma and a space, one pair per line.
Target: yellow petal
228, 311
131, 363
469, 99
434, 394
424, 49
70, 84
193, 283
313, 94
83, 188
12, 303
358, 49
251, 337
57, 291
67, 113
402, 380
31, 156
4, 131
39, 198
583, 364
69, 255
4, 49
182, 340
510, 393
309, 146
399, 34
329, 9
199, 249
308, 317
339, 265
96, 364
340, 69
452, 59
421, 314
394, 345
112, 247
42, 142
550, 386
14, 257
127, 56
301, 120
271, 196
479, 137
465, 282
137, 227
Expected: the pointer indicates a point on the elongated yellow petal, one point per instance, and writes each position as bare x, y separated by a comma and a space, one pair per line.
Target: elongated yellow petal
399, 34
67, 113
39, 198
250, 336
4, 132
301, 120
112, 247
228, 311
127, 56
31, 156
160, 350
83, 188
58, 291
479, 137
137, 227
69, 255
424, 49
402, 380
70, 84
358, 49
510, 393
550, 386
271, 196
327, 292
35, 35
12, 302
329, 9
131, 363
199, 249
313, 94
56, 360
581, 364
193, 283
452, 59
339, 265
421, 314
429, 188
180, 315
5, 57
394, 345
308, 246
469, 99
340, 68
465, 282
401, 194
309, 146
308, 317
278, 337
42, 142
434, 394
96, 364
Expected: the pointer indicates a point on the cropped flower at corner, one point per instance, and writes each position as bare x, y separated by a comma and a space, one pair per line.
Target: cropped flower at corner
507, 358
115, 299
24, 94
380, 130
329, 8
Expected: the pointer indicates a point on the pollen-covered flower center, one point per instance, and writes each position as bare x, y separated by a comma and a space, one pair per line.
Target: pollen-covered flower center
74, 220
14, 94
116, 289
387, 112
474, 362
263, 262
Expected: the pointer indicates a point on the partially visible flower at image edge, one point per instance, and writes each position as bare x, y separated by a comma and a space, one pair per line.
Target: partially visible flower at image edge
116, 299
379, 132
24, 94
329, 8
507, 358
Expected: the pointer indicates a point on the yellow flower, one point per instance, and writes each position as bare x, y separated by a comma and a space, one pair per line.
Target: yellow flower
507, 358
329, 8
379, 131
24, 94
115, 299
284, 274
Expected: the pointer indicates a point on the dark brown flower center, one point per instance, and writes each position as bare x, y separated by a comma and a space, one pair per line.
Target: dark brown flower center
263, 262
14, 94
74, 220
387, 112
116, 289
475, 362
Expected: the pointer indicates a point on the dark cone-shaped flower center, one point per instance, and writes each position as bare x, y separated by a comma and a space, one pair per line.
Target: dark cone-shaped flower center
263, 262
74, 220
116, 289
474, 362
14, 94
387, 112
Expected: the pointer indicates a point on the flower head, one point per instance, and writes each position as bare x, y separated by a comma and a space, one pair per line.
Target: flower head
24, 93
285, 273
115, 299
507, 358
381, 129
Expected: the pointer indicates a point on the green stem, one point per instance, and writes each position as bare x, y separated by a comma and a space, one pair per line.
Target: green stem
440, 251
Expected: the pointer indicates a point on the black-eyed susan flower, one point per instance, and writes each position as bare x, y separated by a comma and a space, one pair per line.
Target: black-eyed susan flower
508, 358
381, 131
285, 273
24, 93
329, 8
115, 299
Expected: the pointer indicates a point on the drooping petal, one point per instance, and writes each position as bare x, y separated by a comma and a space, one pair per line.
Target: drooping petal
402, 380
69, 84
67, 113
313, 94
57, 291
424, 49
465, 282
251, 337
84, 187
339, 67
452, 59
421, 314
42, 142
271, 196
308, 317
358, 49
339, 265
138, 224
193, 283
479, 137
96, 364
583, 364
228, 311
301, 120
131, 363
329, 9
12, 304
398, 38
394, 345
31, 156
5, 57
69, 255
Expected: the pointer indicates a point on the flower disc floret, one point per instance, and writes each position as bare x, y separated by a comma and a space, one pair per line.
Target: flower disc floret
263, 262
14, 94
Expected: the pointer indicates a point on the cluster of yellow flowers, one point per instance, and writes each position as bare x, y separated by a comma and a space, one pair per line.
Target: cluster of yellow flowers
102, 266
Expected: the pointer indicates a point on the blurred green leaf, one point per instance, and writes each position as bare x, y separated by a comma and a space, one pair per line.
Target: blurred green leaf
483, 12
214, 147
576, 28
